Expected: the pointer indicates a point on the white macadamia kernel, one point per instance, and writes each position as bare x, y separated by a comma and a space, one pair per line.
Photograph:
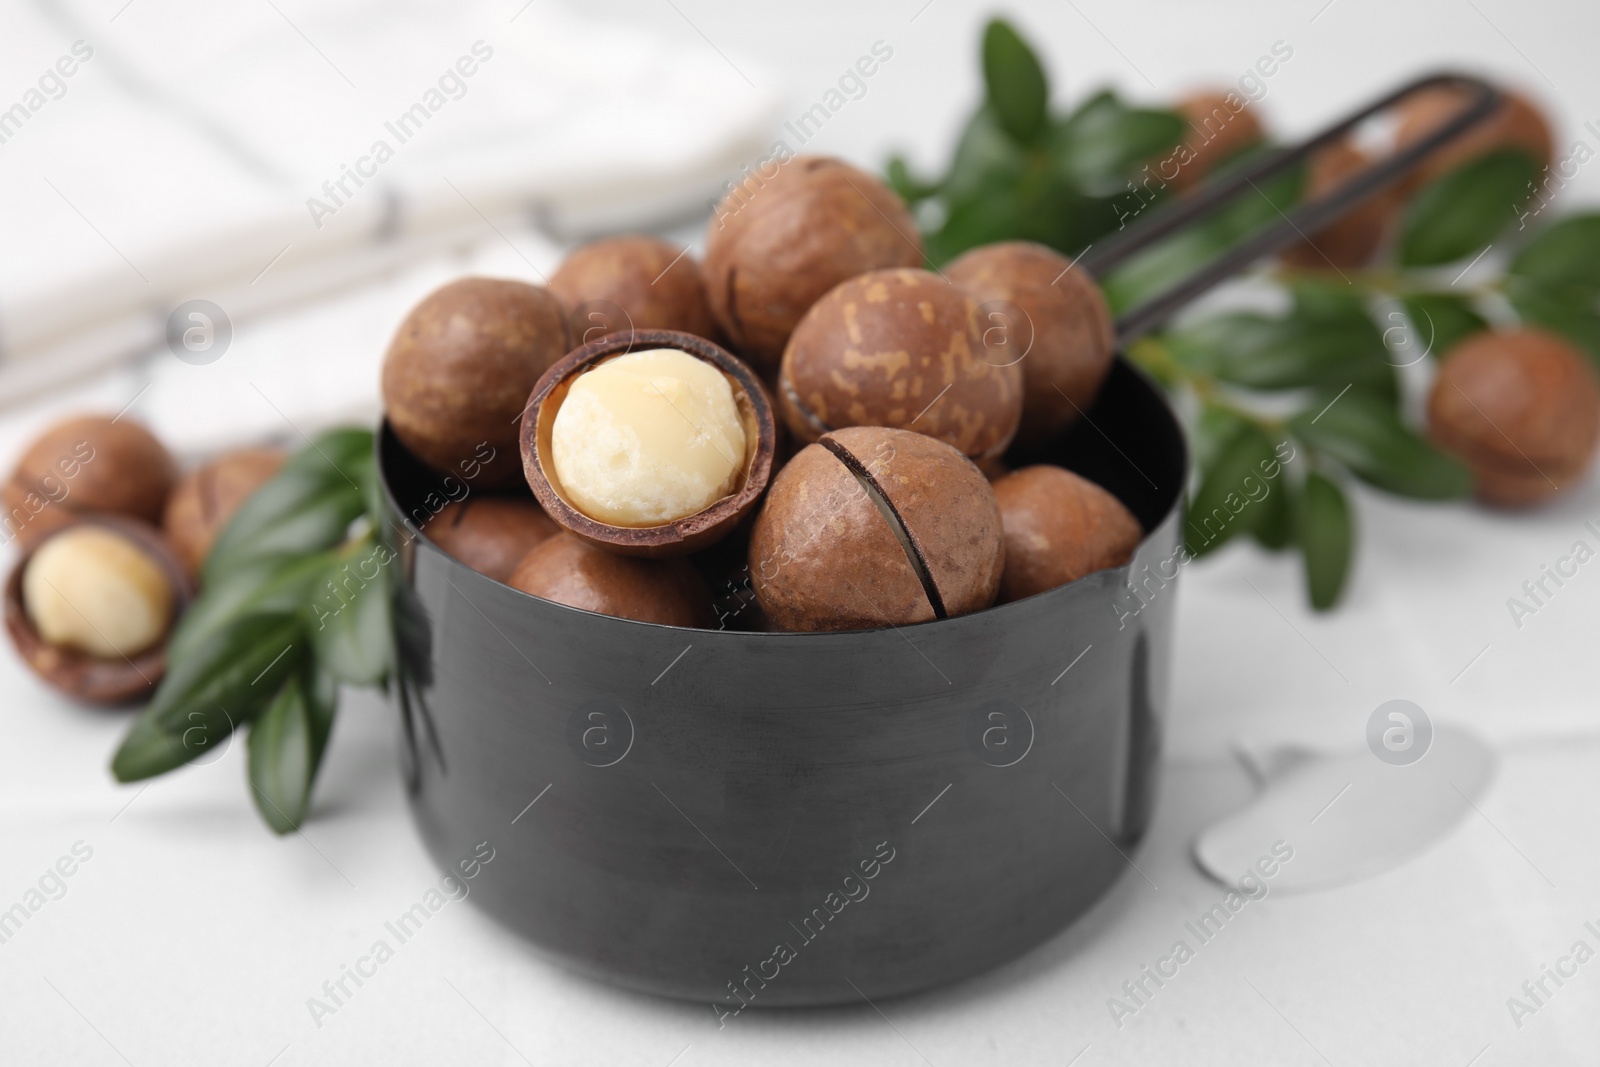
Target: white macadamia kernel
92, 589
648, 438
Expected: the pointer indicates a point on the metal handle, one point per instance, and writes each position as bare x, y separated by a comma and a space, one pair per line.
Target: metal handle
1292, 226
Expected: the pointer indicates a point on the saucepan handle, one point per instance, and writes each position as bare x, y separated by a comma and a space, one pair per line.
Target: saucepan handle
1292, 225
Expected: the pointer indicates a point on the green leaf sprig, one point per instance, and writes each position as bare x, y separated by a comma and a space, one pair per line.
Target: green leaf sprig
1328, 361
296, 598
1020, 171
1313, 392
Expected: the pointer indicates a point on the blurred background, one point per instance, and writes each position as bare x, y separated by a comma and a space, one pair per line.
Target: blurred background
204, 152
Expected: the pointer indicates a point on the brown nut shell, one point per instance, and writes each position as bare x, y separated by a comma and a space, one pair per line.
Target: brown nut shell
788, 233
1048, 317
1353, 238
77, 674
89, 463
1516, 123
460, 368
1059, 526
572, 572
874, 527
652, 283
490, 534
206, 498
904, 349
1221, 125
682, 536
1521, 408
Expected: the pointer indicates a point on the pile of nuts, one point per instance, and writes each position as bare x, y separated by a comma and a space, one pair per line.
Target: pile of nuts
112, 539
807, 432
809, 421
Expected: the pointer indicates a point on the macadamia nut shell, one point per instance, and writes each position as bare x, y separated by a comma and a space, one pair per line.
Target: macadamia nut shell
903, 349
788, 233
460, 369
679, 537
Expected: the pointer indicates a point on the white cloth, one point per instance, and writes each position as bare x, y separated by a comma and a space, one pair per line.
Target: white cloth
258, 154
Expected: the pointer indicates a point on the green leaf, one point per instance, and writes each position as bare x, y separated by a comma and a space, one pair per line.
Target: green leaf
350, 621
1223, 505
374, 499
224, 680
986, 160
1102, 143
1326, 539
977, 221
1174, 259
1017, 88
307, 507
322, 700
1465, 210
1555, 281
1031, 202
909, 188
999, 188
264, 585
1273, 528
1574, 316
1365, 434
1212, 432
1439, 321
1566, 254
1212, 346
1293, 352
286, 746
1334, 302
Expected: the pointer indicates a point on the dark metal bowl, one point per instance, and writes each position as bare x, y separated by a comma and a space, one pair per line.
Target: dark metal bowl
794, 819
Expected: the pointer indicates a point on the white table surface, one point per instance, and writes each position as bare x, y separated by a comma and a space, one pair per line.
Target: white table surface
194, 936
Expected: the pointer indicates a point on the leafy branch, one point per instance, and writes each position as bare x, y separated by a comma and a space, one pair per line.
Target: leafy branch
1311, 392
295, 599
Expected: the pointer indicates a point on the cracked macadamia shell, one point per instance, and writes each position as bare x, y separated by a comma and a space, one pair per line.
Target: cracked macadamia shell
788, 233
1059, 526
207, 497
647, 438
1038, 310
637, 461
460, 369
899, 348
97, 591
572, 572
874, 527
88, 464
1521, 408
490, 534
653, 283
84, 675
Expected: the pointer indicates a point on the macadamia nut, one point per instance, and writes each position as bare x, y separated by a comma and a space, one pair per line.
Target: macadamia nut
648, 438
1521, 408
94, 590
86, 464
